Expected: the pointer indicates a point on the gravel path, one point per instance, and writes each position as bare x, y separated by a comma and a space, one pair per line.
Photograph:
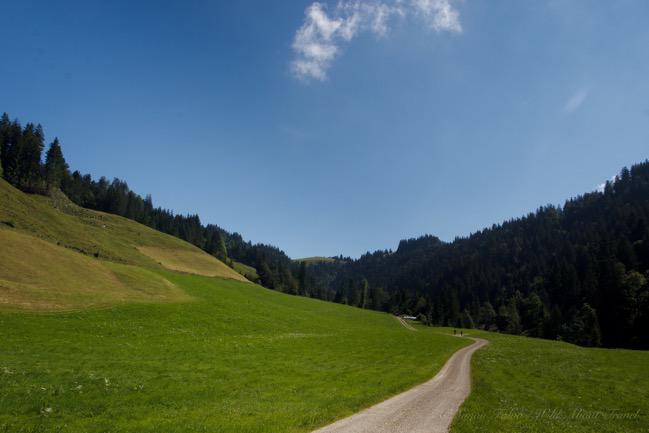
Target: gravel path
405, 324
427, 408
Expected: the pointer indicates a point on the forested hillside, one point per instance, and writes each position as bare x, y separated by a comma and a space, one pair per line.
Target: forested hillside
578, 272
21, 153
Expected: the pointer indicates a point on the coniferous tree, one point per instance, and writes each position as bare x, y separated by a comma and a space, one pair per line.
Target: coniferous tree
487, 315
533, 315
12, 138
29, 158
364, 293
538, 272
215, 245
5, 125
266, 275
55, 166
20, 162
513, 324
302, 278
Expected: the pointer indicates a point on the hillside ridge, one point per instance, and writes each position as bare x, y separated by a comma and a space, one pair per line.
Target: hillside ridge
57, 255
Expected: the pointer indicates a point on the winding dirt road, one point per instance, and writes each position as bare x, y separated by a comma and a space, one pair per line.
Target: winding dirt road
427, 408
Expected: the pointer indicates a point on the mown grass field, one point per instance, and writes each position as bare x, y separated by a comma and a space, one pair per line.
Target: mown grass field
98, 334
57, 256
192, 262
239, 358
316, 259
39, 275
525, 385
100, 235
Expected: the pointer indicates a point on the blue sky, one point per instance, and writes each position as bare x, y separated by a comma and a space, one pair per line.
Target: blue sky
337, 128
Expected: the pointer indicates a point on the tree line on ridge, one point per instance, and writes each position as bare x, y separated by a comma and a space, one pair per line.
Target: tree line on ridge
577, 272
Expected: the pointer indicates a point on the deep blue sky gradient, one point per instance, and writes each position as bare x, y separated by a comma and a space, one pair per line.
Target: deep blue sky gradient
416, 132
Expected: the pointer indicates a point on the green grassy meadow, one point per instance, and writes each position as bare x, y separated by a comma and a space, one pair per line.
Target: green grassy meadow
526, 385
104, 327
239, 358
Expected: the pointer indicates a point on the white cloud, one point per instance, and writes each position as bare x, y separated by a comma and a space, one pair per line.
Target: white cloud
318, 42
576, 101
439, 14
314, 43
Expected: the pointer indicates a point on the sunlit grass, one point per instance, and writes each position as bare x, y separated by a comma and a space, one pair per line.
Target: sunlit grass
525, 385
100, 235
239, 358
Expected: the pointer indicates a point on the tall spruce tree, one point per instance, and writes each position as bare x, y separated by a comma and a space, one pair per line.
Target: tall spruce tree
31, 149
5, 125
364, 293
568, 272
55, 166
302, 278
12, 139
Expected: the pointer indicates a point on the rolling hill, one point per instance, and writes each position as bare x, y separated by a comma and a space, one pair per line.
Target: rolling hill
108, 325
182, 352
169, 349
57, 255
239, 358
577, 272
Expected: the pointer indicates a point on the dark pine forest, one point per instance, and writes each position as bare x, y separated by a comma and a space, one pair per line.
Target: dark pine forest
577, 272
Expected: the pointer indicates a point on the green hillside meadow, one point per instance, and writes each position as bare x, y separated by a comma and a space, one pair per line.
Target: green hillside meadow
239, 358
104, 327
57, 256
528, 385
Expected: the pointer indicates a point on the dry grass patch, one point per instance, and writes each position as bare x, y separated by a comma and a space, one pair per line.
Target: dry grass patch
39, 275
191, 262
110, 237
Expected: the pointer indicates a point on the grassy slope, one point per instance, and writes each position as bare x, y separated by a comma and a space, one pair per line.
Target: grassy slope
239, 358
524, 385
39, 275
316, 259
74, 237
190, 261
247, 271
